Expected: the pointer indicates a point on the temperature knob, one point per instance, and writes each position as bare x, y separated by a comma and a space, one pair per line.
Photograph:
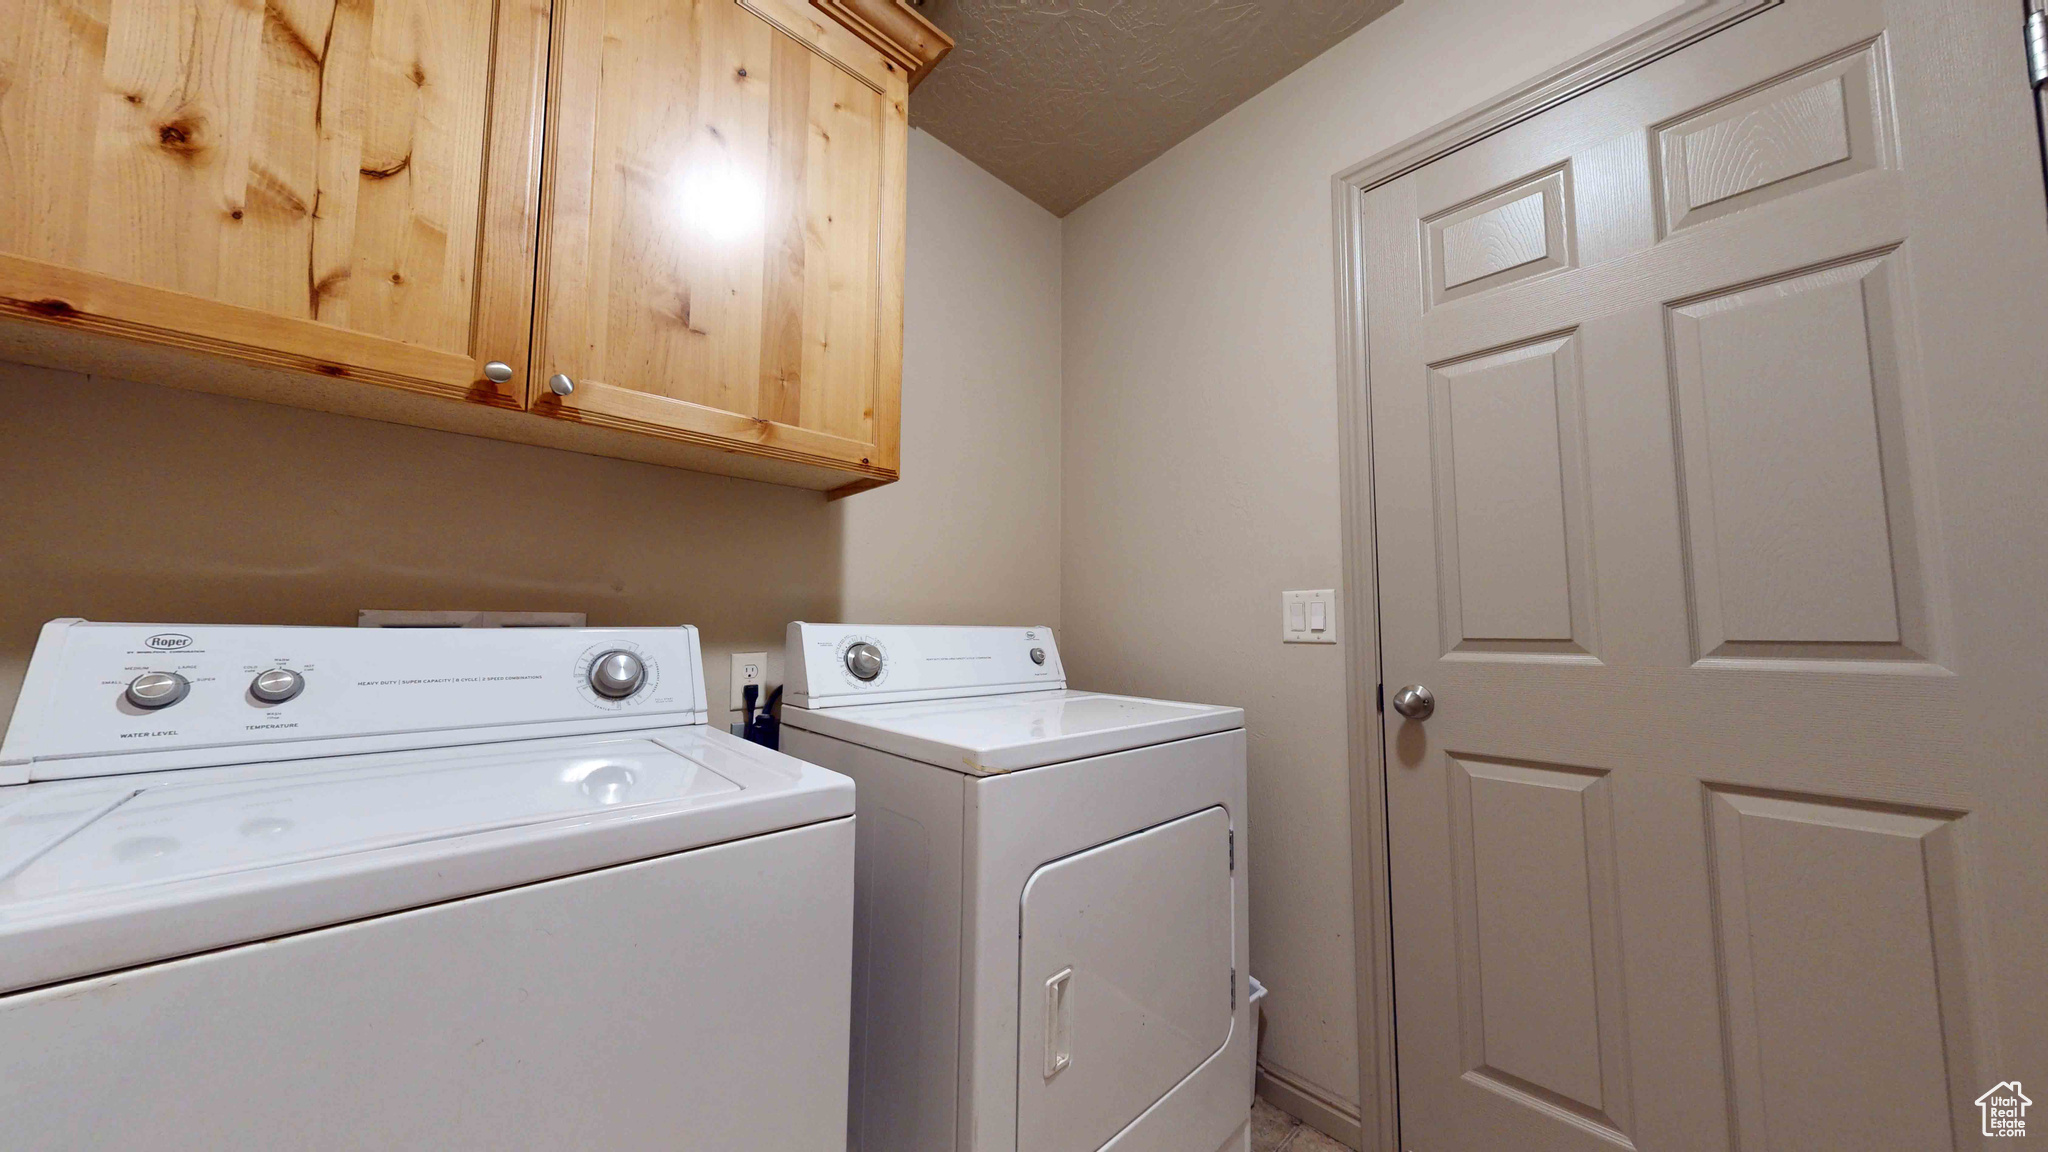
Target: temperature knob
616, 675
157, 689
277, 685
864, 660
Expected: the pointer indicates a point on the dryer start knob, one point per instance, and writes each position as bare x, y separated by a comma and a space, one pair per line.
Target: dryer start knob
864, 661
616, 674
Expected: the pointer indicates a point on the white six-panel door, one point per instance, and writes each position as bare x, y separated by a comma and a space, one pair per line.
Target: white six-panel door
1709, 416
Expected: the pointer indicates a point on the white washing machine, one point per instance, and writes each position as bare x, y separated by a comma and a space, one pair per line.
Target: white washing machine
354, 888
1050, 919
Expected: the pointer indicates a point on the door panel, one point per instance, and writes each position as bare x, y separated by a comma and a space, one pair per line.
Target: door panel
1127, 983
1800, 884
1701, 406
719, 228
1792, 386
296, 167
1511, 491
1539, 934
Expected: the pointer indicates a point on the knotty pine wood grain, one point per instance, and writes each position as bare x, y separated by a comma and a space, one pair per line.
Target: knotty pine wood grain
98, 353
354, 191
896, 29
779, 313
311, 159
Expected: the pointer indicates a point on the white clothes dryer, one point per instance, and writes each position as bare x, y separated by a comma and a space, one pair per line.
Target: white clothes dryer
330, 888
1050, 908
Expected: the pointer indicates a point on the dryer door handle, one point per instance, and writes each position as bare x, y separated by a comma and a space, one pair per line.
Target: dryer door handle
1059, 1028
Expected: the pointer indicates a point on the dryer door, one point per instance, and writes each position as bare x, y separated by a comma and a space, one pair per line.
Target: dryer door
1127, 981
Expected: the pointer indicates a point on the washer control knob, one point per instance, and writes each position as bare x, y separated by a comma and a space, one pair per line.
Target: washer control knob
1038, 655
617, 674
157, 689
864, 660
277, 685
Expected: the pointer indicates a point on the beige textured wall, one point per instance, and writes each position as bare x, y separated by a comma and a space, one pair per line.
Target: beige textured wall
1201, 451
976, 538
133, 502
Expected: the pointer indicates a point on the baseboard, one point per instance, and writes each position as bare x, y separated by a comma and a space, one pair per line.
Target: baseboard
1311, 1105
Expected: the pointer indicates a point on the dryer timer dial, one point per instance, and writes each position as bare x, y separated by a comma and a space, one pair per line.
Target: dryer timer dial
864, 660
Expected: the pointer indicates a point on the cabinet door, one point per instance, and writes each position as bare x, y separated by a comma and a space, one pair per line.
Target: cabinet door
318, 185
722, 243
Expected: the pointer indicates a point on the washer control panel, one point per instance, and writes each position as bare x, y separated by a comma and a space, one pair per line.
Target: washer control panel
836, 664
101, 698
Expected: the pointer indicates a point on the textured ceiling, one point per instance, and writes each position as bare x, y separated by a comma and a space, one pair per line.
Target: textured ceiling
1062, 98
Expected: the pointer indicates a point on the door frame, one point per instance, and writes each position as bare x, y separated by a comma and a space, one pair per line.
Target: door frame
1372, 913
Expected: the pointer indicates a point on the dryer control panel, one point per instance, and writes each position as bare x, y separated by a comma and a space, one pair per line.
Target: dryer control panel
101, 699
831, 665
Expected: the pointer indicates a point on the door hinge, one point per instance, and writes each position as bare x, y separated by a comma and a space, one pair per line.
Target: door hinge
2037, 48
1233, 851
1233, 990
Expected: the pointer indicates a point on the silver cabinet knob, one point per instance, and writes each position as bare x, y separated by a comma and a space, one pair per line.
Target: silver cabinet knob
157, 689
277, 685
497, 372
864, 661
561, 385
1415, 702
616, 675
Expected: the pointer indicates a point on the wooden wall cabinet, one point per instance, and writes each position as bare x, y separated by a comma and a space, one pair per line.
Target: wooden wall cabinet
343, 206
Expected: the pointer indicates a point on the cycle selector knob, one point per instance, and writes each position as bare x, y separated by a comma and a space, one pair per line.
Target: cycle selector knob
277, 685
864, 661
154, 690
617, 675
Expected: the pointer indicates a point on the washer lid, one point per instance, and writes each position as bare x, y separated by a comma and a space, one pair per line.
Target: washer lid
102, 874
995, 734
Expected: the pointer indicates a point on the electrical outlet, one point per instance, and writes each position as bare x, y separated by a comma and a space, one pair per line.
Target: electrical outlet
749, 668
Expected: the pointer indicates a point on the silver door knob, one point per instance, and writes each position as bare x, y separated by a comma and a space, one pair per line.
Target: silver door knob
498, 372
1415, 702
561, 385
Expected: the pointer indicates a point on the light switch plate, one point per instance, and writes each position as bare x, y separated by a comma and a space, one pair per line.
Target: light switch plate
749, 668
1302, 612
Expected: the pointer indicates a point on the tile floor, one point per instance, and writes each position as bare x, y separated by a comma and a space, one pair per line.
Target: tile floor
1276, 1131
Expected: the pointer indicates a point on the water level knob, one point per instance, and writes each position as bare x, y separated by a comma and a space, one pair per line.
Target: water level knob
157, 689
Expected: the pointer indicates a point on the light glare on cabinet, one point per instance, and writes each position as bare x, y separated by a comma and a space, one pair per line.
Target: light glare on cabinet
719, 201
